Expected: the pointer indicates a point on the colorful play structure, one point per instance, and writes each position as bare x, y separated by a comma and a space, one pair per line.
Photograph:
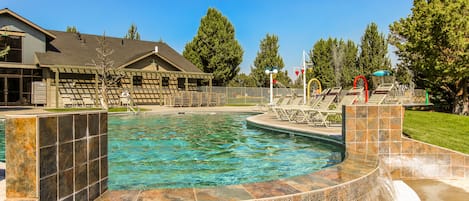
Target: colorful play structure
386, 91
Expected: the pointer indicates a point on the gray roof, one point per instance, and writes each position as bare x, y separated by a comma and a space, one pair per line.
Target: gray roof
71, 49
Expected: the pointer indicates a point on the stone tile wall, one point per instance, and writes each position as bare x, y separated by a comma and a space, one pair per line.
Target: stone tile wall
378, 130
56, 157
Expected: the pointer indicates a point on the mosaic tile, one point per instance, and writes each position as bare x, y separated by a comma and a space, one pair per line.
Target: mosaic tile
104, 186
361, 111
93, 147
395, 147
443, 159
396, 135
444, 171
20, 134
466, 161
103, 145
222, 193
65, 156
373, 147
269, 189
361, 124
184, 194
350, 124
384, 111
80, 125
372, 112
104, 167
457, 160
70, 198
407, 147
93, 124
350, 136
457, 172
314, 196
383, 135
372, 135
81, 151
81, 176
102, 123
372, 123
93, 174
65, 128
383, 147
47, 131
47, 161
396, 111
122, 195
384, 123
361, 147
93, 191
350, 111
66, 183
48, 188
82, 195
360, 136
395, 123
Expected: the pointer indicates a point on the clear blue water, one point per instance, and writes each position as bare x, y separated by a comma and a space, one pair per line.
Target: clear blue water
200, 150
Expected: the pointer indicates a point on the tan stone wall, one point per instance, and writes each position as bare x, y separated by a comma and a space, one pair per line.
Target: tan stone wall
56, 157
378, 130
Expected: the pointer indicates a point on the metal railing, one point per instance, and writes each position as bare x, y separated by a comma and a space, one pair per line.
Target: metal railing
250, 95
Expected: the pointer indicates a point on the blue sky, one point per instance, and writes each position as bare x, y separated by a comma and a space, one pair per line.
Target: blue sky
297, 23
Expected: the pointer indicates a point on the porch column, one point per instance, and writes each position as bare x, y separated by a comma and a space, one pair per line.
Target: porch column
57, 89
96, 86
186, 84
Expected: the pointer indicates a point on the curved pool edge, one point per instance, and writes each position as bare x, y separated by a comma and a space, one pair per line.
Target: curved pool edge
351, 179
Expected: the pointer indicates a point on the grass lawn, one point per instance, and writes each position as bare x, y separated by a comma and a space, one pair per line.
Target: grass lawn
442, 129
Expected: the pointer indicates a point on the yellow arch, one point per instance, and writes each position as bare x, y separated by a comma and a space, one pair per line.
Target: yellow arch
309, 85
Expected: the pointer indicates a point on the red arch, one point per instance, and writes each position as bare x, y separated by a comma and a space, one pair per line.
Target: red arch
366, 85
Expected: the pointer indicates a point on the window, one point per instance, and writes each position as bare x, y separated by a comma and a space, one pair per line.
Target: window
137, 80
182, 83
165, 81
14, 54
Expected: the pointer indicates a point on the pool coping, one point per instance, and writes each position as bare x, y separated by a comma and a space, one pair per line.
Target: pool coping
359, 170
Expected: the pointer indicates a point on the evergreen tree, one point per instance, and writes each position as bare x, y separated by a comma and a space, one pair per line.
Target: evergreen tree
132, 33
214, 49
72, 29
373, 52
433, 42
267, 57
349, 69
242, 80
321, 57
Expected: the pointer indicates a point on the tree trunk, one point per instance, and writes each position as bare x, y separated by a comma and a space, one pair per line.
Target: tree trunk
104, 99
461, 99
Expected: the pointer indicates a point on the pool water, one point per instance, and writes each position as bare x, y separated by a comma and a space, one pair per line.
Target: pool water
201, 150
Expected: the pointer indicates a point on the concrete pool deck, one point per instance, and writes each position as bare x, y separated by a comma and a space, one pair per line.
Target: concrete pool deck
427, 190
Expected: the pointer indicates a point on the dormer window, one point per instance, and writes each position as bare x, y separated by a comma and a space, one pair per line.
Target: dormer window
15, 52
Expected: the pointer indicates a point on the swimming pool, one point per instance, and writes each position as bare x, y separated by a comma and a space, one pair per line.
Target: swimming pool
202, 149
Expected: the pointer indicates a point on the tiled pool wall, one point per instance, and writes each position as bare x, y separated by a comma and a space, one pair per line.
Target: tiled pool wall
56, 157
378, 130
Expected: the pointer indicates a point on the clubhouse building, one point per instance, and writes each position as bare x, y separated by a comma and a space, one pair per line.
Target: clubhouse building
56, 69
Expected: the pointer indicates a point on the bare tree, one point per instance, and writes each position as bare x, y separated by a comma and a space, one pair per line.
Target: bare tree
4, 51
104, 65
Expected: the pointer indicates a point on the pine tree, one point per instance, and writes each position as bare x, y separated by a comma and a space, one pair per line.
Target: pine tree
132, 33
268, 57
214, 49
433, 42
322, 58
72, 29
373, 52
